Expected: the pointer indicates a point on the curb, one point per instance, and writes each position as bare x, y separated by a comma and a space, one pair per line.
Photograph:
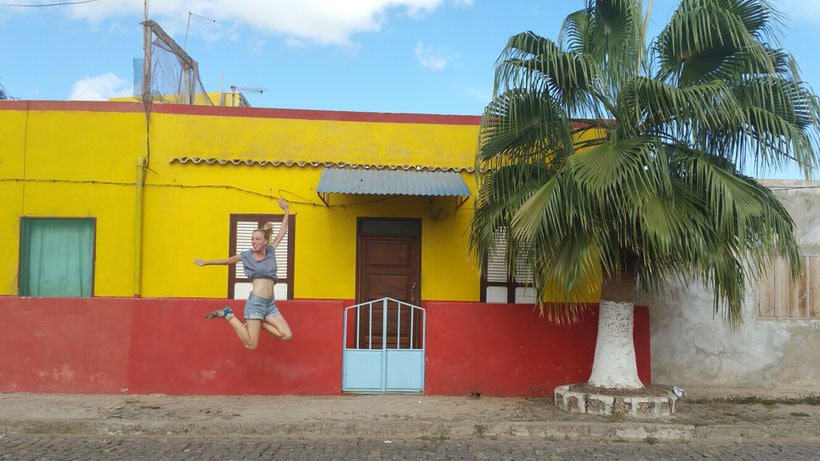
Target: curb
542, 430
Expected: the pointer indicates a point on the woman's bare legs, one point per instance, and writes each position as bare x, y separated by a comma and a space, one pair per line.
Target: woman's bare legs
277, 326
247, 332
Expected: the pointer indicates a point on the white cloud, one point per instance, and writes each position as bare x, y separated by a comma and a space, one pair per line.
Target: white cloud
799, 10
314, 21
293, 42
428, 58
256, 46
100, 88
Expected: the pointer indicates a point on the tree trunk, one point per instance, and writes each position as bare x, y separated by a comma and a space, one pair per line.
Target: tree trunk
614, 365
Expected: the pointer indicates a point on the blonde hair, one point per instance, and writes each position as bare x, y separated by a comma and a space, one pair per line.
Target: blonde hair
266, 233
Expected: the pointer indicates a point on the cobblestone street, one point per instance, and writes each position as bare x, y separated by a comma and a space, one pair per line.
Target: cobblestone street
43, 447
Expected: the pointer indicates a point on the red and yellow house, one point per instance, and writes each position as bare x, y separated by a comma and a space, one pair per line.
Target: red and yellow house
105, 206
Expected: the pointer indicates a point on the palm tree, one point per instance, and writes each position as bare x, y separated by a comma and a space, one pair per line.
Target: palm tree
606, 158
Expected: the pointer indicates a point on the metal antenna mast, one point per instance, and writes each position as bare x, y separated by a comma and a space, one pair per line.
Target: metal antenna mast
188, 26
239, 89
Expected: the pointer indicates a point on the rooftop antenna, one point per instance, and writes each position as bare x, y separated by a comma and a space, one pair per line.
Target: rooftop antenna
4, 94
188, 26
238, 89
146, 47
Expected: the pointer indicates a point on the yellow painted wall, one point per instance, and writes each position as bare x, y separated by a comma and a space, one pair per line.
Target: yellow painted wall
187, 206
12, 134
48, 170
325, 258
315, 140
80, 161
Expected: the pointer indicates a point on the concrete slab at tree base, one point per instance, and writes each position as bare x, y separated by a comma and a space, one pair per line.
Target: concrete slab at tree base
645, 403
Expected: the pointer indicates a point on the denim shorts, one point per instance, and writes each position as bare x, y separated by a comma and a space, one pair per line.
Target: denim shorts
258, 308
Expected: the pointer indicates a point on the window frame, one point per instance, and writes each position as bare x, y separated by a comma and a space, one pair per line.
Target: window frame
510, 284
21, 253
260, 219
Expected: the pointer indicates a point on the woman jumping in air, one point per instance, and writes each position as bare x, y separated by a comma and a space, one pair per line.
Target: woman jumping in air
260, 266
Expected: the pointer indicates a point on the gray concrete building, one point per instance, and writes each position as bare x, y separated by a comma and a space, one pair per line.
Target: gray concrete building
778, 344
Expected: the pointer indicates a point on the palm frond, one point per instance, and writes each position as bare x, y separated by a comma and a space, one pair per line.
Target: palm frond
501, 191
775, 123
735, 66
615, 41
652, 106
519, 125
532, 62
702, 34
745, 228
619, 166
573, 35
782, 122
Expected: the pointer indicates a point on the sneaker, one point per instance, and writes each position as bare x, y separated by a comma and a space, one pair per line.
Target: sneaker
221, 313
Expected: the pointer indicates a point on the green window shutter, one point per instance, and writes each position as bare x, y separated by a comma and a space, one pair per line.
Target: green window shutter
56, 257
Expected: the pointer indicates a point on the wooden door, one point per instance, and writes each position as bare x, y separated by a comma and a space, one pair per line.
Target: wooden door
388, 266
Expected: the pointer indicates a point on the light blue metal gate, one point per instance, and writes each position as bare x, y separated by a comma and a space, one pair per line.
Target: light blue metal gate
384, 344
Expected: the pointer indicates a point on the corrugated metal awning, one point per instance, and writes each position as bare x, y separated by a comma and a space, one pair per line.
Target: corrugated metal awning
392, 182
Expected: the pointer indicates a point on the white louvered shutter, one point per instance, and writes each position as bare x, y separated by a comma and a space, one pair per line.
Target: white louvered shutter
244, 233
497, 273
497, 270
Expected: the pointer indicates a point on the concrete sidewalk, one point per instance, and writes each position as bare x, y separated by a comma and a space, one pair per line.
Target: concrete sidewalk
395, 416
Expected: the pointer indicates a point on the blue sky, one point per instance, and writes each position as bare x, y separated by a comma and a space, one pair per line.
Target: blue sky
416, 56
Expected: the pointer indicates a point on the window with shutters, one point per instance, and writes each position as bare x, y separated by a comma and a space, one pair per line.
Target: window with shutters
779, 296
498, 286
242, 226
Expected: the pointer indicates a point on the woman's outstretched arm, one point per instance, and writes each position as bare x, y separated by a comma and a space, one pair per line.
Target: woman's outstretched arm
213, 262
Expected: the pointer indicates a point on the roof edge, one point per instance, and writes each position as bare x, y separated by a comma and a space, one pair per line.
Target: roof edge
254, 112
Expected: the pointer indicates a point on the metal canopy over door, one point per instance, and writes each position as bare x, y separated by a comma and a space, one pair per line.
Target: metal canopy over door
384, 333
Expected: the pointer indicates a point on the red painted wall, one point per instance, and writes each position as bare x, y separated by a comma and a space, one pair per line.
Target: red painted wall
509, 350
113, 345
125, 345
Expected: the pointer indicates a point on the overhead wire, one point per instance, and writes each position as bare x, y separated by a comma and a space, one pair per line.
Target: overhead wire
43, 5
302, 201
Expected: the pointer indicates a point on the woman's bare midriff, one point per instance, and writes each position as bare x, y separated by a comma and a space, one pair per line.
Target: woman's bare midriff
263, 287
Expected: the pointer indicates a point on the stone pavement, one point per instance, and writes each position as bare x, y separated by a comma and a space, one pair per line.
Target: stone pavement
400, 416
228, 447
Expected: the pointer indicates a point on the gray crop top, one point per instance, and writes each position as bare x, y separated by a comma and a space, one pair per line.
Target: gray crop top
266, 268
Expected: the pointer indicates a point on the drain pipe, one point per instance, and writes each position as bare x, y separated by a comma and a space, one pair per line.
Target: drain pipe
142, 162
138, 228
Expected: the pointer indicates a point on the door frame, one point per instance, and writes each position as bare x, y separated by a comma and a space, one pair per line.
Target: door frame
360, 253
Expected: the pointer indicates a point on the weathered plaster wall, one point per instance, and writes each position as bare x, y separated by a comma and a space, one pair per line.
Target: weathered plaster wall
691, 347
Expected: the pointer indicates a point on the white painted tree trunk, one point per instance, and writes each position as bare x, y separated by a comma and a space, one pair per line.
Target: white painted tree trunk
614, 365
